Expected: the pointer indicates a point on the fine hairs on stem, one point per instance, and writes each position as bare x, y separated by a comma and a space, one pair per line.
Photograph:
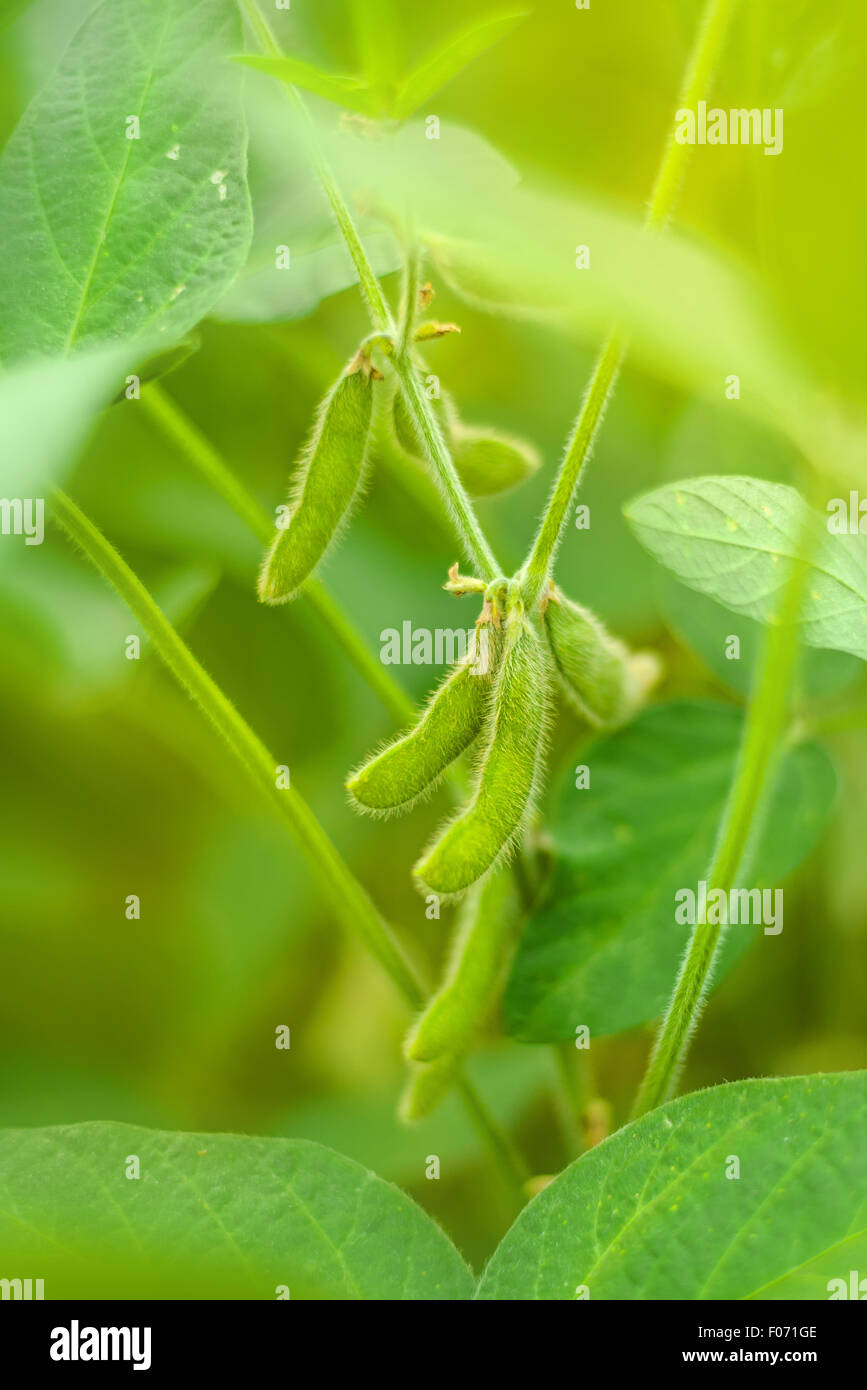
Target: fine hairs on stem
537, 567
764, 726
476, 548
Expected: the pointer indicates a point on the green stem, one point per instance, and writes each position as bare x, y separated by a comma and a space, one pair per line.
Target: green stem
766, 719
541, 559
508, 1158
549, 536
377, 304
213, 468
351, 902
459, 506
574, 1093
355, 908
463, 517
409, 312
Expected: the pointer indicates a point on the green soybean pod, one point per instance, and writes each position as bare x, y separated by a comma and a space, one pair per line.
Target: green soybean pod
477, 959
405, 431
509, 773
329, 480
394, 779
427, 1087
489, 461
603, 681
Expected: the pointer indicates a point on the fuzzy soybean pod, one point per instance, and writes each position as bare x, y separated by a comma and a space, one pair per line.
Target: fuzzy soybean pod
405, 431
329, 480
395, 778
427, 1087
603, 681
508, 774
478, 955
489, 461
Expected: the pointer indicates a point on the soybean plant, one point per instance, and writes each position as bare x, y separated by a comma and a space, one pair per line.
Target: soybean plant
537, 638
495, 705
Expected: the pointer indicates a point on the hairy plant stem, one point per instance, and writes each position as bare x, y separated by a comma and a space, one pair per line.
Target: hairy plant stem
351, 902
573, 1092
752, 781
213, 468
460, 509
411, 288
540, 561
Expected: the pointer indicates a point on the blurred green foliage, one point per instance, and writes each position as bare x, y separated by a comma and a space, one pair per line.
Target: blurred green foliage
113, 785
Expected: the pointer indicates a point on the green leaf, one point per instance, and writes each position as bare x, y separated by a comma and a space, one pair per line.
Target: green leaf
244, 1214
652, 1214
451, 58
111, 236
706, 627
76, 626
730, 538
11, 10
604, 948
167, 359
689, 309
291, 211
264, 293
450, 182
46, 408
350, 92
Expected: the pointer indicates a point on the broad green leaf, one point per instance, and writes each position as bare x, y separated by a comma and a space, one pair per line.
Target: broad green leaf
730, 538
604, 948
298, 257
458, 181
244, 1214
652, 1214
689, 308
450, 58
46, 408
707, 626
267, 293
167, 360
76, 627
10, 11
727, 441
350, 92
372, 97
107, 236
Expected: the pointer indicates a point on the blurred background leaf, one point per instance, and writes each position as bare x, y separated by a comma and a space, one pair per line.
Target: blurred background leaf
604, 948
169, 1021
